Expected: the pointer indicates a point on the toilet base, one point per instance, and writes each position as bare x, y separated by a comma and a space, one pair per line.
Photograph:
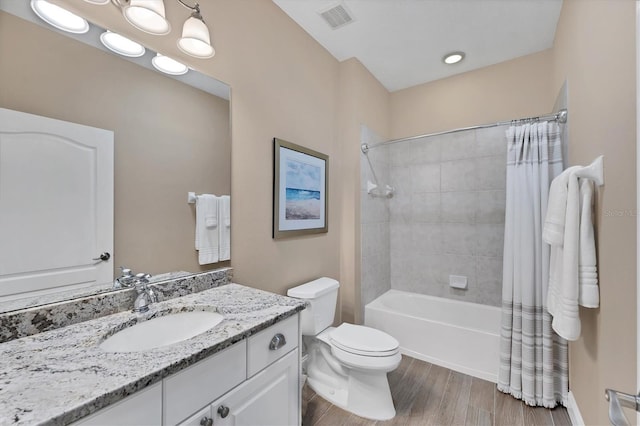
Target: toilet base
361, 392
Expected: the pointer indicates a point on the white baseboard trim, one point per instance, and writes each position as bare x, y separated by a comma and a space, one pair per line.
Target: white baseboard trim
574, 411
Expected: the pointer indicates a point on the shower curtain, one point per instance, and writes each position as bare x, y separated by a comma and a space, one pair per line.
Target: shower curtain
533, 359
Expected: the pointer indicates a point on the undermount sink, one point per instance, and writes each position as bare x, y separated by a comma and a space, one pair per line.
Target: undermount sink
161, 331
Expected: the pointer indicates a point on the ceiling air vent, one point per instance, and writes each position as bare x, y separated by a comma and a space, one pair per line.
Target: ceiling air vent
337, 16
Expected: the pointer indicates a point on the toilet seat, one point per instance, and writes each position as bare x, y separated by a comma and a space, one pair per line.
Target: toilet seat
363, 341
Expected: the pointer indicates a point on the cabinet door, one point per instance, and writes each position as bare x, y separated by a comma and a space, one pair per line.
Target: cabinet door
269, 398
142, 408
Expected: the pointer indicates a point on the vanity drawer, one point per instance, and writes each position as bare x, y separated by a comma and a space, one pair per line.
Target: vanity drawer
261, 352
142, 408
192, 388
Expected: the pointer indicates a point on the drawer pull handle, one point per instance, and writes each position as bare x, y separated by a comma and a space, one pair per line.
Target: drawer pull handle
223, 411
206, 421
277, 342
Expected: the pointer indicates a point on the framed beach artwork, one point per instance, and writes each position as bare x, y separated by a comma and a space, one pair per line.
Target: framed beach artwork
299, 190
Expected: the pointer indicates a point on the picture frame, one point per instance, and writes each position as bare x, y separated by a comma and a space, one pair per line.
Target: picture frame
300, 189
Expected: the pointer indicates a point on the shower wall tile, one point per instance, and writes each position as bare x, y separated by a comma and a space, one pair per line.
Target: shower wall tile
425, 178
401, 180
459, 175
457, 146
425, 207
491, 206
491, 141
426, 238
490, 239
446, 218
458, 238
424, 151
377, 209
453, 264
375, 239
400, 155
458, 206
375, 278
489, 275
491, 173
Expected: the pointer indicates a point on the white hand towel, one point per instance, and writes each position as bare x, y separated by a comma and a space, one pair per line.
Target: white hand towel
553, 230
587, 266
207, 236
225, 227
562, 298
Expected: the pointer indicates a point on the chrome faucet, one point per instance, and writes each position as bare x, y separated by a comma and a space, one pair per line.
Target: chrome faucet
126, 280
146, 296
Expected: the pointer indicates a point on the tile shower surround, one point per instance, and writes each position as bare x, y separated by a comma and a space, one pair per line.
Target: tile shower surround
375, 249
446, 218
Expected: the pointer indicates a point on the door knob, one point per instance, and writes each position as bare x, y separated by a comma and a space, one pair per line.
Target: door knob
103, 257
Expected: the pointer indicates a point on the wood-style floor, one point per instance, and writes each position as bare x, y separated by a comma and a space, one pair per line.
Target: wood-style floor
427, 394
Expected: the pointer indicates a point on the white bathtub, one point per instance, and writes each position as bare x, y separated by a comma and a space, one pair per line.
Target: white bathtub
461, 336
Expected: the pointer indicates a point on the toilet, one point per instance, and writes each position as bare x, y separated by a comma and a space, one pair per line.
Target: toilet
346, 365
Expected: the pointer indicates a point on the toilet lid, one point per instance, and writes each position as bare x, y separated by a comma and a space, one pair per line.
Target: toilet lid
363, 340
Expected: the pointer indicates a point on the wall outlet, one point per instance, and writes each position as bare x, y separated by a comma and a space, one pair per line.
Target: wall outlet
458, 281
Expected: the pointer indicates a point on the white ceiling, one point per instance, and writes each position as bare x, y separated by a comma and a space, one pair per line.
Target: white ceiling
402, 42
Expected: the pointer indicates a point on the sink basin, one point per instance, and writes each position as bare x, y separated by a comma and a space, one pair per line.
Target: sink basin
161, 331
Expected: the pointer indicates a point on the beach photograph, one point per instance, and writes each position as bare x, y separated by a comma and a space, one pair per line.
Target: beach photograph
303, 183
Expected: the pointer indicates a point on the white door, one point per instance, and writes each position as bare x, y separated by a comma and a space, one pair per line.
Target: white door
56, 204
271, 397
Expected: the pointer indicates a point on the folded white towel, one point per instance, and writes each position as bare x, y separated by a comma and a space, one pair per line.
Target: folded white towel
207, 229
553, 230
225, 228
587, 265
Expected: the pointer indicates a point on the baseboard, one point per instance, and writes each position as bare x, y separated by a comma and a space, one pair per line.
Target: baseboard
574, 411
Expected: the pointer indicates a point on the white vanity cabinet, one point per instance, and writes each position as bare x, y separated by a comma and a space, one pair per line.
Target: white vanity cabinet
253, 382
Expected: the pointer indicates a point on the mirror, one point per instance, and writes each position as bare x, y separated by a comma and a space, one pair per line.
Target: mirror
170, 138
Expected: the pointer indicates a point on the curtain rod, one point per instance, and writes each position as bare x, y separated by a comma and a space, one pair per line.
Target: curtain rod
560, 117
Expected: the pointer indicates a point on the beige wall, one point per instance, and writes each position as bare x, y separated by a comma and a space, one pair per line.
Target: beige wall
595, 51
512, 89
169, 138
361, 100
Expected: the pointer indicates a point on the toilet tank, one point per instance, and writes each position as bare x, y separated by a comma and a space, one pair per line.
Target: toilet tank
322, 295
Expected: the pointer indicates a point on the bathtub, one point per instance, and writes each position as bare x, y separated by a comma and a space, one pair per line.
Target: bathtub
461, 336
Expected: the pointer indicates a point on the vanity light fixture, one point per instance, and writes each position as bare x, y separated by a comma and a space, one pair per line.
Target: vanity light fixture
146, 15
98, 1
453, 58
149, 16
60, 18
195, 40
168, 65
121, 45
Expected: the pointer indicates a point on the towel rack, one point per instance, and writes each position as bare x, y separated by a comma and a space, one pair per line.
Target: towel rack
593, 171
191, 198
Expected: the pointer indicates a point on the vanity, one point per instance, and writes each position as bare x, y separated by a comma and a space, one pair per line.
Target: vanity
244, 370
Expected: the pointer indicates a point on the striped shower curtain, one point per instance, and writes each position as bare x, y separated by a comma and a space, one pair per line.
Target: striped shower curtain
533, 359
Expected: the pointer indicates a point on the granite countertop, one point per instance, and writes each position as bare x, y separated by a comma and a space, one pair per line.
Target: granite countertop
59, 376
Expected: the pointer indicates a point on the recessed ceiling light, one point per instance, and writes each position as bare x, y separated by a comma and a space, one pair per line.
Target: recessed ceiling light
168, 65
121, 45
60, 18
453, 58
